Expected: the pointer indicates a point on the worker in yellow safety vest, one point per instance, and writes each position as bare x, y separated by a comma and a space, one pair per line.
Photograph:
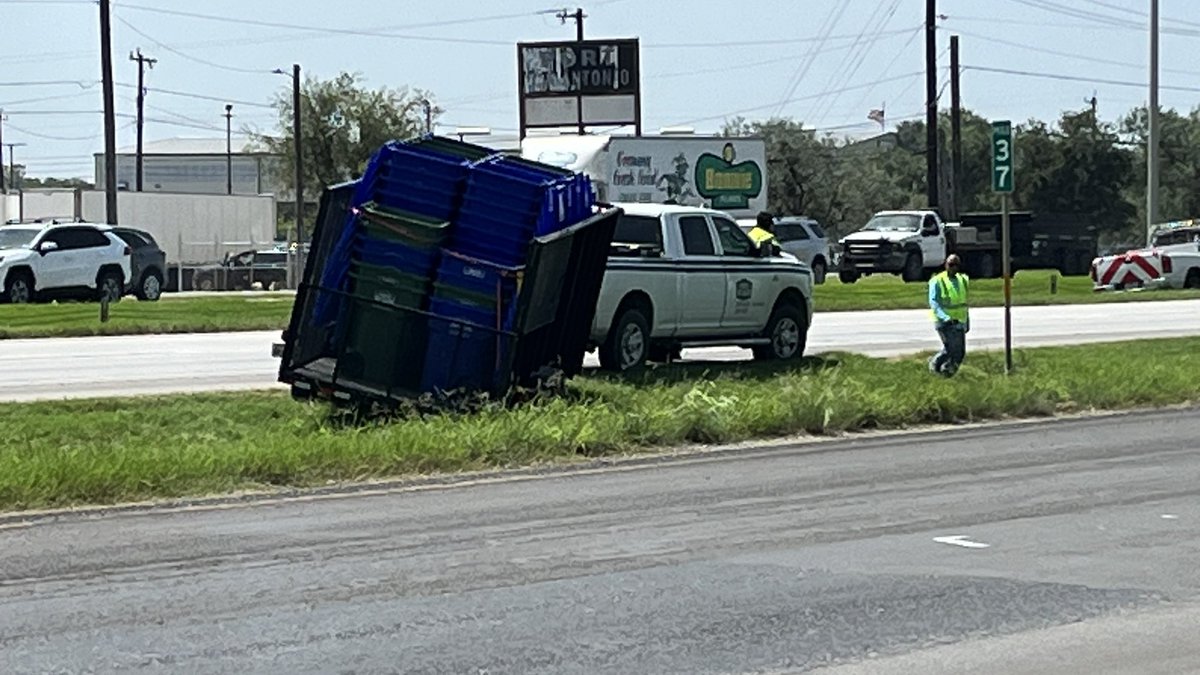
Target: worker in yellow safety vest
763, 232
948, 301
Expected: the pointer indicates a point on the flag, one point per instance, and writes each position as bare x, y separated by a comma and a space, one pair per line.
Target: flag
876, 116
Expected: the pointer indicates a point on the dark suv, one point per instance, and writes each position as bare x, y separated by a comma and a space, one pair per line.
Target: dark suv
149, 263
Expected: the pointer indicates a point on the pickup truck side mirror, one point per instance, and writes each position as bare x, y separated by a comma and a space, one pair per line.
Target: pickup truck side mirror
47, 246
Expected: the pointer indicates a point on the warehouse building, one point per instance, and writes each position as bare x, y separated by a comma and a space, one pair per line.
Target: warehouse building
198, 166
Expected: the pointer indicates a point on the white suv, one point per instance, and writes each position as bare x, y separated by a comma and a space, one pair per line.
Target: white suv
62, 260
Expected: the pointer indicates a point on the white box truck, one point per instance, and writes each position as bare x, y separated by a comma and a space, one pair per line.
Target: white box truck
727, 174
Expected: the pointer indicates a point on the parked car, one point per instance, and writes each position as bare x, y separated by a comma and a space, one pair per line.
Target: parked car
40, 261
243, 271
147, 263
689, 276
803, 238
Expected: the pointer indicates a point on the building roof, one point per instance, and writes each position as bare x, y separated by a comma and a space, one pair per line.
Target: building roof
196, 146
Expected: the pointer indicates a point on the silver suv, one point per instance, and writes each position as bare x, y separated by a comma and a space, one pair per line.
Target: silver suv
62, 260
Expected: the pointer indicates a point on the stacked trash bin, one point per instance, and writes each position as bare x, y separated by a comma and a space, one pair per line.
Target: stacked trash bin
433, 258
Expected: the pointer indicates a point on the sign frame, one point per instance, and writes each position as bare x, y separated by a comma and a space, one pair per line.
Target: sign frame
579, 83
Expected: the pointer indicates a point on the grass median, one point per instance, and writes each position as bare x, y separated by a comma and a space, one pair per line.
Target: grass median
195, 314
106, 451
130, 317
1030, 287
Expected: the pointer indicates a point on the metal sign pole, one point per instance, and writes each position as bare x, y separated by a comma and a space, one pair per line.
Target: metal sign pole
1002, 182
1006, 246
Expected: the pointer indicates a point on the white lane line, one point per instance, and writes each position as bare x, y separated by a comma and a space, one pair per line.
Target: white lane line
960, 540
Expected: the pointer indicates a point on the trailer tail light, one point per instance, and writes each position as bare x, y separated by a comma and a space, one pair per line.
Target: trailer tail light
1166, 264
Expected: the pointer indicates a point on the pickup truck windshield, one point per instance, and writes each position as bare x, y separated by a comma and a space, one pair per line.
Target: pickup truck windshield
17, 237
900, 222
638, 230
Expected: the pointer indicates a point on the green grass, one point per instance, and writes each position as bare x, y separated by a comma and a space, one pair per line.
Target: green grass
271, 312
168, 315
1030, 287
105, 451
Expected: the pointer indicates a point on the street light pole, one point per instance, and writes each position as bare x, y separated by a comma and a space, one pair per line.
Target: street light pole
1152, 135
297, 141
228, 148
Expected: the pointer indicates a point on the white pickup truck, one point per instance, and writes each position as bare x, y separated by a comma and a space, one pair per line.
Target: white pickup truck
1171, 261
690, 277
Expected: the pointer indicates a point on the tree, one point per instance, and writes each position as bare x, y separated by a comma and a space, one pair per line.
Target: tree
1179, 165
342, 124
60, 183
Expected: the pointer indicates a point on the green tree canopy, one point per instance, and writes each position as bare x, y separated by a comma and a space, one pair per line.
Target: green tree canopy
342, 124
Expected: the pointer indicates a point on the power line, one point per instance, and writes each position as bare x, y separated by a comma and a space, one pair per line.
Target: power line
82, 84
1081, 57
49, 137
807, 97
1075, 78
756, 43
202, 97
211, 64
852, 67
802, 68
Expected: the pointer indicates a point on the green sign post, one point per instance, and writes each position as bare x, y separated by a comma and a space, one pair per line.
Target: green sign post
1002, 182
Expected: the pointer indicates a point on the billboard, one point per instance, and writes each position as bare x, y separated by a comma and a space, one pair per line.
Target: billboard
593, 82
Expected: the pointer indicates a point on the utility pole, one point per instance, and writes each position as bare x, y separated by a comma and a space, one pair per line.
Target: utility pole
428, 115
955, 126
296, 141
228, 148
12, 174
578, 16
1152, 145
3, 189
110, 118
142, 62
1093, 103
931, 105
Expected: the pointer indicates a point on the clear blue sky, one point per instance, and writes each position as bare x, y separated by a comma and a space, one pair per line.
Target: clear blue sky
703, 60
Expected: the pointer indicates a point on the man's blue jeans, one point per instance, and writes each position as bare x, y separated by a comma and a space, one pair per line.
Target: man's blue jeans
954, 348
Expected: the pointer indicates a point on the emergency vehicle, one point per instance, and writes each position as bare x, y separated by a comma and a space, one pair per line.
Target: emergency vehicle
1172, 260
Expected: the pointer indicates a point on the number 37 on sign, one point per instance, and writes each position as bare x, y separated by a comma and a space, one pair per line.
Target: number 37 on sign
1002, 156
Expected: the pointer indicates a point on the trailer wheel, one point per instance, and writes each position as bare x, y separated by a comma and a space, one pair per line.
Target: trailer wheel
985, 266
847, 277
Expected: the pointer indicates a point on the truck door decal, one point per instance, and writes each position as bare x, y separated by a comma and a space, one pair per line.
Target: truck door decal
745, 289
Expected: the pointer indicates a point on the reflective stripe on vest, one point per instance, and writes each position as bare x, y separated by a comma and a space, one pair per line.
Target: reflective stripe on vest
952, 297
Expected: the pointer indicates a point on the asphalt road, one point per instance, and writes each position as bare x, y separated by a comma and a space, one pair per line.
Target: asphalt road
154, 364
1064, 547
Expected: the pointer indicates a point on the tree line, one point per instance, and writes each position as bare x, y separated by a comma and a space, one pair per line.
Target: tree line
1077, 166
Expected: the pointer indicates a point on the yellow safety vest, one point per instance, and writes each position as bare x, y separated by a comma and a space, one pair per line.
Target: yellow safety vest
953, 297
759, 236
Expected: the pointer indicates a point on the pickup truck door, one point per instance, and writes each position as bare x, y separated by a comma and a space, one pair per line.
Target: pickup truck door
751, 283
701, 281
933, 242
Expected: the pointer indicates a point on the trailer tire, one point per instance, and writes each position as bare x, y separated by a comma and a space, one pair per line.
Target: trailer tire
847, 277
985, 266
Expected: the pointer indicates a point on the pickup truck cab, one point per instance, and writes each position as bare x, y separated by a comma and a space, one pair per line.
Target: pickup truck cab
690, 277
897, 242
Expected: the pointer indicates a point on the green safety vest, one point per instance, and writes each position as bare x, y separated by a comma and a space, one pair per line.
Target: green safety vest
953, 298
759, 236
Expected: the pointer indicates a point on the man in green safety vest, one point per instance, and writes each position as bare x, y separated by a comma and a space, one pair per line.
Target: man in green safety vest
763, 232
948, 302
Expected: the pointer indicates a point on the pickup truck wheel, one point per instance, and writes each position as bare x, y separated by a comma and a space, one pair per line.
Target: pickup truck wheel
819, 271
912, 268
628, 343
848, 277
787, 332
18, 289
1193, 278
